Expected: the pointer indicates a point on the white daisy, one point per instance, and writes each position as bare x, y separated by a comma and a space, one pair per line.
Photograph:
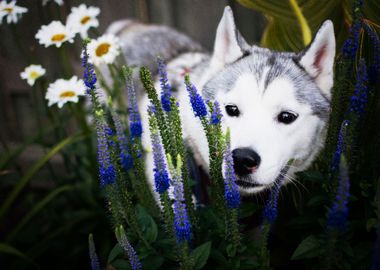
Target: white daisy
59, 2
32, 73
62, 91
104, 49
82, 18
11, 11
54, 33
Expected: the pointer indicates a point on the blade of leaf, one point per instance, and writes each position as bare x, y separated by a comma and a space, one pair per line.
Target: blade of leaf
34, 169
39, 206
4, 248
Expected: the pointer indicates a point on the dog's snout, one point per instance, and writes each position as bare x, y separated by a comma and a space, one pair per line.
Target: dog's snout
245, 161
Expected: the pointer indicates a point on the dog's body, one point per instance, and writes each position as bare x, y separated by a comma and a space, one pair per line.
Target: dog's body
275, 104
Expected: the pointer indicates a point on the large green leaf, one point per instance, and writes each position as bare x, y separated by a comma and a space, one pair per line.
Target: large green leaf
283, 31
200, 255
310, 247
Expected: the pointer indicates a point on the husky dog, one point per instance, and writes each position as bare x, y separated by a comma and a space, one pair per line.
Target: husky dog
276, 104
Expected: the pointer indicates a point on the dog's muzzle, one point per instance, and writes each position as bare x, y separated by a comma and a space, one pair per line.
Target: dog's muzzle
246, 161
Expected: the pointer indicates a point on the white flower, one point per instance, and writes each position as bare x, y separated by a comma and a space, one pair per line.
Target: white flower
62, 91
82, 18
11, 11
54, 33
59, 2
104, 49
32, 73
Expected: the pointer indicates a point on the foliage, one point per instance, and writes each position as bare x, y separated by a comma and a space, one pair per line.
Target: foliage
332, 226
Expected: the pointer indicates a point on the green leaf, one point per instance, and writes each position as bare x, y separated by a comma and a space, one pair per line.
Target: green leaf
310, 247
121, 264
200, 255
147, 224
153, 262
371, 224
116, 252
34, 169
4, 248
39, 206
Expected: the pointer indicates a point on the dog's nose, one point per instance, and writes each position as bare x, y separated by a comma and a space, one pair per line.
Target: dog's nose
245, 161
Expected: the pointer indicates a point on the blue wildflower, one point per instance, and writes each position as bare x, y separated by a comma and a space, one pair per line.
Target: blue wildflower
93, 256
161, 176
89, 75
351, 44
340, 145
216, 114
135, 126
197, 102
231, 191
131, 253
165, 86
270, 210
182, 224
107, 171
126, 159
359, 98
337, 214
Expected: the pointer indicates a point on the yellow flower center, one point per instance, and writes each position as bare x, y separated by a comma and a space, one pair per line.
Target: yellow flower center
34, 74
85, 19
67, 94
9, 10
102, 49
58, 37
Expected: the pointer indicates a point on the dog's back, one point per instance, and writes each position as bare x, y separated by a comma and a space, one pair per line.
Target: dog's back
142, 44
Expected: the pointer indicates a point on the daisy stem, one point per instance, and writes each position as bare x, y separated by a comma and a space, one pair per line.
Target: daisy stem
65, 60
103, 82
117, 86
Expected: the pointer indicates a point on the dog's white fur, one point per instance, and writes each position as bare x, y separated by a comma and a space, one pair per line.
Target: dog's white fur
259, 103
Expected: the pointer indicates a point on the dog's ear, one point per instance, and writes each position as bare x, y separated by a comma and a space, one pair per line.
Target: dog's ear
229, 44
318, 58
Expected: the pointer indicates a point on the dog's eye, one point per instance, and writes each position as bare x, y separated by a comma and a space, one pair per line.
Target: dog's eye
286, 117
232, 110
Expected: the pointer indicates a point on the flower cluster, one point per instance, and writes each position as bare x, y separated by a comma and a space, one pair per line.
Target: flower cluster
10, 11
165, 86
104, 49
196, 100
32, 73
340, 145
360, 97
89, 74
161, 176
135, 126
126, 159
62, 91
107, 171
216, 114
182, 224
351, 44
92, 252
55, 33
337, 214
231, 190
80, 20
131, 253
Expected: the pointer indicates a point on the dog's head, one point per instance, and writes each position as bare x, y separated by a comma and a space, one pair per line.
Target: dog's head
276, 104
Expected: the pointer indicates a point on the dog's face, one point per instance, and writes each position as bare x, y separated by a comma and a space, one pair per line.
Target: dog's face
275, 104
